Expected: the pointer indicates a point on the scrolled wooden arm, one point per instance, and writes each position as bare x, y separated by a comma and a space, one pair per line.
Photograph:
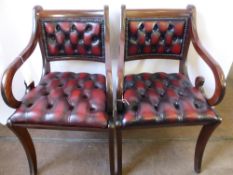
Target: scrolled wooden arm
220, 82
8, 75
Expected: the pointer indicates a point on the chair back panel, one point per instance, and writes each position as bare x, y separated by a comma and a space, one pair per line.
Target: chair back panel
73, 37
156, 36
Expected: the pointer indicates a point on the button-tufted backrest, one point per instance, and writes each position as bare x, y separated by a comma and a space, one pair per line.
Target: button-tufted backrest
72, 35
156, 34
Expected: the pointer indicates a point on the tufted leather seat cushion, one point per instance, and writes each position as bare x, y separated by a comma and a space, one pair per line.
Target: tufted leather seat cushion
162, 98
67, 99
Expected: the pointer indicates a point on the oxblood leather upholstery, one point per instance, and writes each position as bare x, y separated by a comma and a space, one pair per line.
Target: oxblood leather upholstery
65, 99
163, 98
156, 37
74, 38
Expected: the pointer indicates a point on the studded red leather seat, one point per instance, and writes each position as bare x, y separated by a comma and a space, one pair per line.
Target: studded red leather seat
163, 98
66, 99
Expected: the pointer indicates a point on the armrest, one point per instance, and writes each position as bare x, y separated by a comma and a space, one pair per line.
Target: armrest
8, 75
220, 81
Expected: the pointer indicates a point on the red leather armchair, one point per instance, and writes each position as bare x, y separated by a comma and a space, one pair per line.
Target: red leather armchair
64, 100
161, 99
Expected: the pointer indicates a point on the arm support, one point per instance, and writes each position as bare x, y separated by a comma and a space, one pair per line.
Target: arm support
6, 84
220, 81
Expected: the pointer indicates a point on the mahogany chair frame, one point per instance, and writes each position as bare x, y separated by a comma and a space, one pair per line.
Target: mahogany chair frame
215, 99
21, 130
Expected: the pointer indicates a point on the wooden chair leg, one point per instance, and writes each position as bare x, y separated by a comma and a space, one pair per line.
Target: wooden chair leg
25, 139
203, 138
119, 151
111, 151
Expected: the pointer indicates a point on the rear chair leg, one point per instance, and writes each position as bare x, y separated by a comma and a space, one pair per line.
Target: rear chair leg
111, 151
119, 151
203, 138
28, 146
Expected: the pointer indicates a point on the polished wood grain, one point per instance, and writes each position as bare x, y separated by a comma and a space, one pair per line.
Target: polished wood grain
119, 150
220, 81
202, 140
71, 13
8, 75
121, 63
109, 90
108, 65
26, 141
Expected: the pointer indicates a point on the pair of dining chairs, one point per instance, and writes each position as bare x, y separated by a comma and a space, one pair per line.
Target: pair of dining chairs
84, 101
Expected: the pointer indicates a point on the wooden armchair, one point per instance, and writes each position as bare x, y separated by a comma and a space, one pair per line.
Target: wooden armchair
64, 100
161, 99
